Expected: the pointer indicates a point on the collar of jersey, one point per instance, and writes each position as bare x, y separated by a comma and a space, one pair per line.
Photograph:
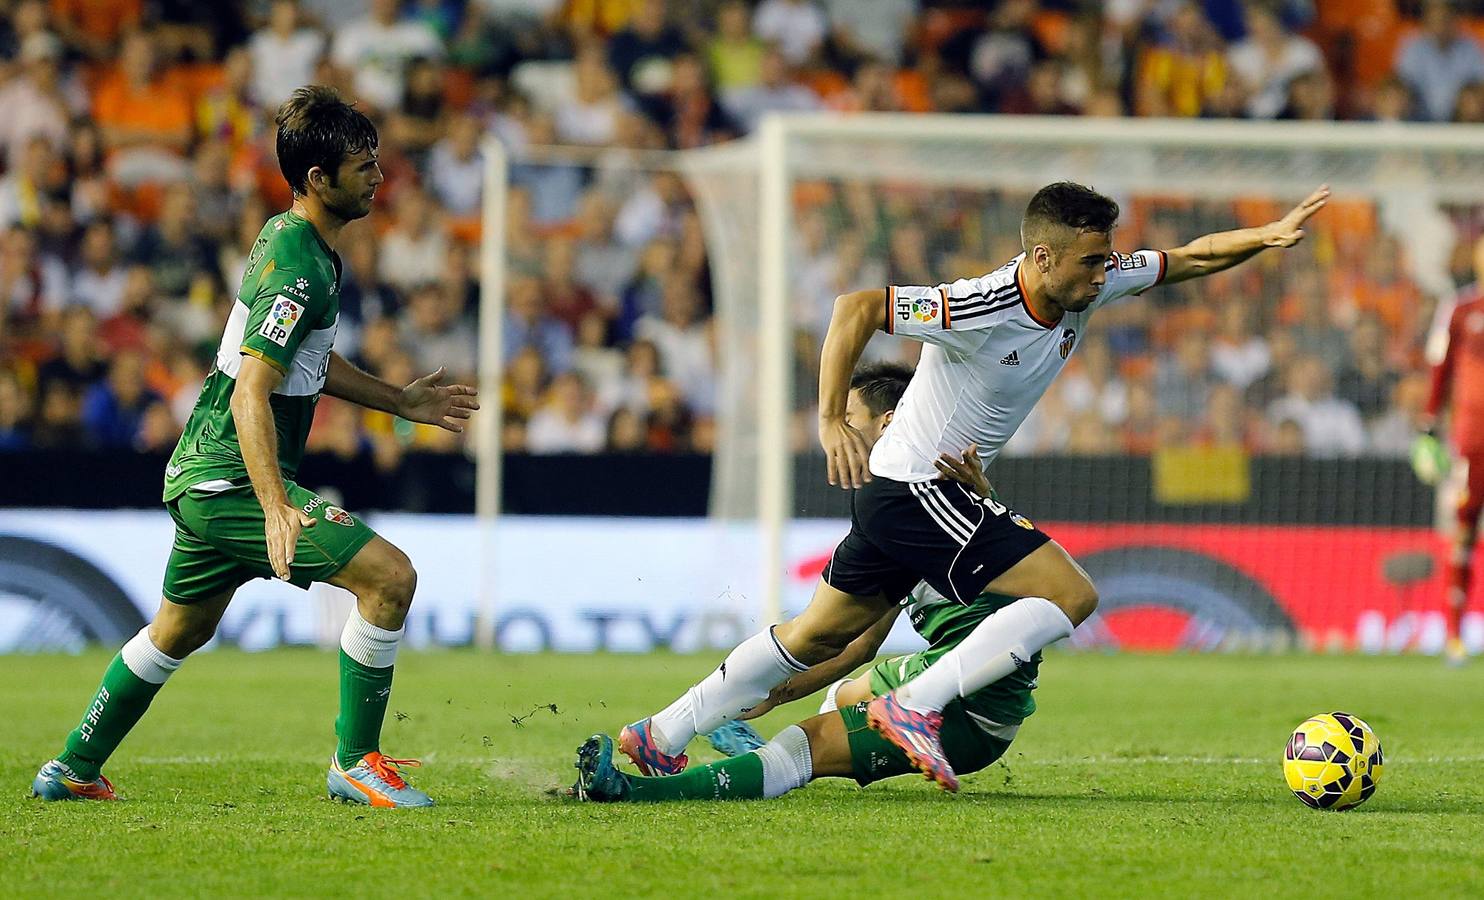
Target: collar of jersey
300, 220
1020, 289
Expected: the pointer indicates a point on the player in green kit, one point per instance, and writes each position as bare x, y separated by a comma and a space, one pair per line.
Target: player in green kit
229, 484
977, 729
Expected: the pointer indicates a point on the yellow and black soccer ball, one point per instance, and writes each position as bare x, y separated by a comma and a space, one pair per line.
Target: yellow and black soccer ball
1333, 761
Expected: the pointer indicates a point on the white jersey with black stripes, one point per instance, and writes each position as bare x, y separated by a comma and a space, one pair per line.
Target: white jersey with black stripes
987, 361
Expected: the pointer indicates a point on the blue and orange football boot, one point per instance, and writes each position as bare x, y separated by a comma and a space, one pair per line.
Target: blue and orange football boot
917, 735
636, 742
375, 781
736, 738
57, 782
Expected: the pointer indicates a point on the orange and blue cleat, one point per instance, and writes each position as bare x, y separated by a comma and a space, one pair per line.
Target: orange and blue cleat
57, 782
637, 743
917, 735
375, 781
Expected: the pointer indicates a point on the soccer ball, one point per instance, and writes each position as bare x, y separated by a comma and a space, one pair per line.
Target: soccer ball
1333, 761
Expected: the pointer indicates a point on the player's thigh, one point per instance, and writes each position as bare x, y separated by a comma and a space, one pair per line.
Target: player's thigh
197, 572
379, 571
1050, 572
830, 622
232, 522
856, 690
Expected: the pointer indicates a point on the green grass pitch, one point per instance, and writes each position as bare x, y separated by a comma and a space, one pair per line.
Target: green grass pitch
1140, 776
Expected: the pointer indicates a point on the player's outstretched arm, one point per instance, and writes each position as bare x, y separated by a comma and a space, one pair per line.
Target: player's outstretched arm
426, 400
258, 438
859, 652
857, 316
1212, 253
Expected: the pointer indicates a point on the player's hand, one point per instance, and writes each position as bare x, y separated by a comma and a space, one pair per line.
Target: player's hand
282, 523
965, 469
845, 452
428, 401
1289, 230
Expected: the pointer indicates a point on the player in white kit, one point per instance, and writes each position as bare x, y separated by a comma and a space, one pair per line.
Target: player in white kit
994, 343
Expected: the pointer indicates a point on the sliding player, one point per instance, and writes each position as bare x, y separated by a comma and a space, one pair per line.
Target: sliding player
229, 485
995, 344
838, 743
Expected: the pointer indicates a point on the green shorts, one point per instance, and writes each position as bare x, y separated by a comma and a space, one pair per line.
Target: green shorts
971, 739
220, 543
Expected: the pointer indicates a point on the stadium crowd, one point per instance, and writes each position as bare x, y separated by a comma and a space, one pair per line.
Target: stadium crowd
136, 140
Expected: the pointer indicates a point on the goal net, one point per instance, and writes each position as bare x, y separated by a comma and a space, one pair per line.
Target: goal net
1226, 456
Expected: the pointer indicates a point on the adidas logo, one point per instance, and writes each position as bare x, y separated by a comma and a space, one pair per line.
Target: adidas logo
1011, 359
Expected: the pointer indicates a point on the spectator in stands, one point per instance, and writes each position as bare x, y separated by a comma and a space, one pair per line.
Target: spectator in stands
1331, 426
78, 363
1392, 433
24, 188
58, 420
1040, 95
1469, 107
456, 168
1314, 328
1311, 97
795, 27
552, 187
229, 111
1392, 101
669, 423
1238, 355
1286, 439
15, 431
640, 54
679, 332
590, 114
35, 101
566, 299
1268, 59
434, 333
93, 28
414, 249
100, 278
566, 422
85, 171
377, 49
625, 432
1367, 382
173, 248
734, 55
594, 359
1183, 380
29, 286
775, 91
417, 123
1094, 385
687, 111
145, 116
525, 384
528, 324
1437, 62
284, 55
1182, 74
113, 410
603, 263
871, 29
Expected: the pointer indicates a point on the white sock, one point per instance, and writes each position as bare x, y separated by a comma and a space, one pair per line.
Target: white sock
742, 681
786, 762
372, 647
996, 647
146, 660
830, 704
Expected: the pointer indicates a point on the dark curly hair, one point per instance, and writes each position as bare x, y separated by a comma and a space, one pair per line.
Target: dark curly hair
881, 385
1065, 205
317, 128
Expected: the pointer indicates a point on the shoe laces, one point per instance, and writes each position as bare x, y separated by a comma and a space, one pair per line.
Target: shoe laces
387, 767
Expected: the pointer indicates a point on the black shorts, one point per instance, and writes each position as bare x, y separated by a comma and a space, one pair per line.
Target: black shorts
934, 531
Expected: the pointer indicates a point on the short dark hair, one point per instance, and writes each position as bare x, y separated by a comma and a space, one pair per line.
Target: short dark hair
881, 385
317, 128
1066, 204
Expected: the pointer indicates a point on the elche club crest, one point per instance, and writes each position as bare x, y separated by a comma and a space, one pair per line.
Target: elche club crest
1068, 341
338, 516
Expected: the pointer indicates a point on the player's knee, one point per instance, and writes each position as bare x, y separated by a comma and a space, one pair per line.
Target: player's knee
394, 585
178, 640
1078, 598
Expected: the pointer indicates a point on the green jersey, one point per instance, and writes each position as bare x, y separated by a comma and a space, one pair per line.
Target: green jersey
943, 623
285, 314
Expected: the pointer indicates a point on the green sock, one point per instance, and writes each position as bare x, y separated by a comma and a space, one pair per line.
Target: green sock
120, 701
364, 693
738, 778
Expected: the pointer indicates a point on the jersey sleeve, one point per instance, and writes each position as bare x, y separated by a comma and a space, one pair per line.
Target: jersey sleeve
947, 314
287, 305
1131, 274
